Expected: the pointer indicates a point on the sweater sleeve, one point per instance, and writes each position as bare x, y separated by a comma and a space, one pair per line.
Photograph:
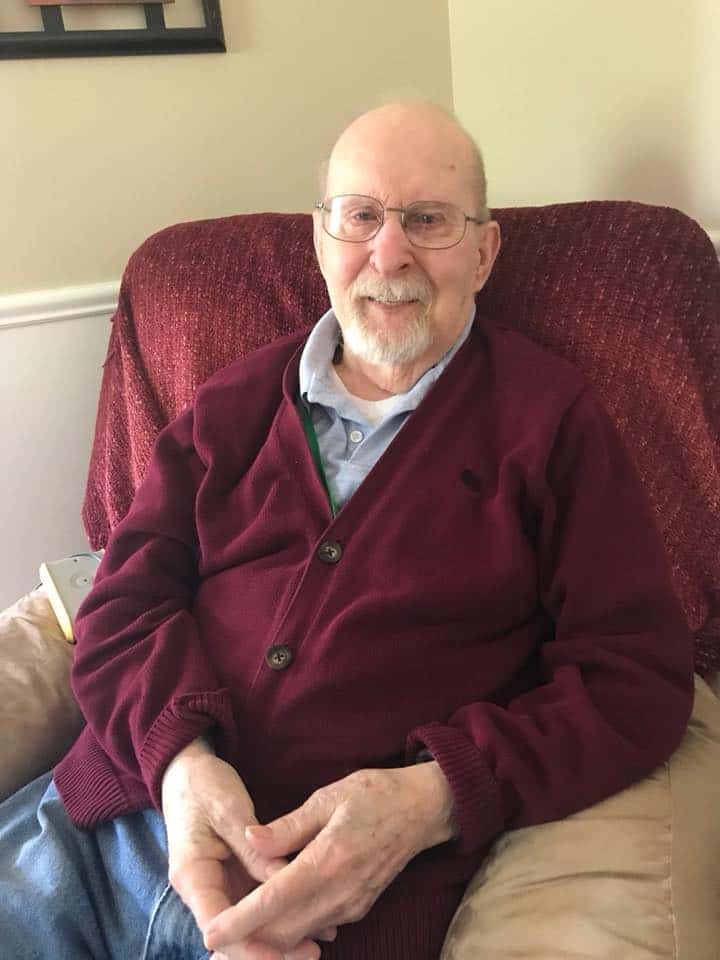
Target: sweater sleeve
617, 684
141, 674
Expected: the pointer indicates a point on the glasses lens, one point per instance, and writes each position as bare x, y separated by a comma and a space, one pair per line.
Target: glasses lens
432, 224
352, 218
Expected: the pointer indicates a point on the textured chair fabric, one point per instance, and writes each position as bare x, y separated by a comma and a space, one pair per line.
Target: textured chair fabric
629, 293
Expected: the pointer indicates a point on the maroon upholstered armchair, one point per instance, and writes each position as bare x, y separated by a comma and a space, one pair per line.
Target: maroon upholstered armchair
630, 293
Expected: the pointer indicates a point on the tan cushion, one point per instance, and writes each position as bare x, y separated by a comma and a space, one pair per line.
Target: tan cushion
39, 718
636, 876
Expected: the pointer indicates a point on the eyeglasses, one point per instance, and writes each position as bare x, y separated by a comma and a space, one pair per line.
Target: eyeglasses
427, 223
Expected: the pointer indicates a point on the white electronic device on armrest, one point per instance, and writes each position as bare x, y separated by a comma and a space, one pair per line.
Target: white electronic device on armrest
68, 582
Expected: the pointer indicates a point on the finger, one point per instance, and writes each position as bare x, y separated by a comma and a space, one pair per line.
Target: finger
205, 905
328, 933
248, 950
286, 901
308, 950
255, 950
257, 863
272, 866
201, 886
289, 833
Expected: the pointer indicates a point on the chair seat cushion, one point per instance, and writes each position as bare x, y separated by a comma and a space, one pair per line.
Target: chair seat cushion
39, 718
636, 876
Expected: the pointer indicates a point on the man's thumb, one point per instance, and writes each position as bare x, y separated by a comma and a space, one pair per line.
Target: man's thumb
287, 834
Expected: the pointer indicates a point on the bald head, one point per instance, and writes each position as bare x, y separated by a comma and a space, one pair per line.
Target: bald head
402, 137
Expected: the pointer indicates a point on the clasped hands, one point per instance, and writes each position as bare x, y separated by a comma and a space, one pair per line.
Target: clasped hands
351, 837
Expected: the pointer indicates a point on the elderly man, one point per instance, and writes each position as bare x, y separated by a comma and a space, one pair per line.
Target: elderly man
387, 589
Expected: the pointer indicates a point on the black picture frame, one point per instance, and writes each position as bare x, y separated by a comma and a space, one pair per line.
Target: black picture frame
55, 41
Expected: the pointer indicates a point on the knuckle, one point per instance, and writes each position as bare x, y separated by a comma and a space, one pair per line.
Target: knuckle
362, 779
292, 822
381, 785
253, 862
358, 778
356, 782
319, 799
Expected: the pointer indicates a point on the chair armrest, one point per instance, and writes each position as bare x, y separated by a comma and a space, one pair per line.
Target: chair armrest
636, 875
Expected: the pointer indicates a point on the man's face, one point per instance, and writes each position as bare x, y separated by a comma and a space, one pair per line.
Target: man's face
397, 303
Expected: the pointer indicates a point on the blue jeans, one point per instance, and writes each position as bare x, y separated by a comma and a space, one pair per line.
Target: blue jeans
68, 894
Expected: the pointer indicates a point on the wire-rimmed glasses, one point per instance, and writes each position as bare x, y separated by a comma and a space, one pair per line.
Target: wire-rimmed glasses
427, 223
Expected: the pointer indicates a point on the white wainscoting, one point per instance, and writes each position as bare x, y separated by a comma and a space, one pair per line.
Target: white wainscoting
52, 346
65, 303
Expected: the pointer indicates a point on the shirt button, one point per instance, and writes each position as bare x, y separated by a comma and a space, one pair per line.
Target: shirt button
329, 551
356, 436
279, 657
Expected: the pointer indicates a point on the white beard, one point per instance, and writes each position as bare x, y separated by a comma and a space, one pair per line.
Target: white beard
388, 344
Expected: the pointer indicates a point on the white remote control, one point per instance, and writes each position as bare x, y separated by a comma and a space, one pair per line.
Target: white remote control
68, 582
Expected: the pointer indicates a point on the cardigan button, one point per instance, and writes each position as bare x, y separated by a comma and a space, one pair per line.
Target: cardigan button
279, 657
329, 551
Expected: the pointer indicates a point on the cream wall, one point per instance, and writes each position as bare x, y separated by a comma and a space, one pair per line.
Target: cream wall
575, 100
97, 153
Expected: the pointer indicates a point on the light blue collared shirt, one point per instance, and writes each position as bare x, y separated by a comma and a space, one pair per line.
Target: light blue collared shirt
349, 444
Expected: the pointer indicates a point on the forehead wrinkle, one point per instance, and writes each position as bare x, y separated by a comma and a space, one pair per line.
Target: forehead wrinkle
397, 178
397, 192
365, 186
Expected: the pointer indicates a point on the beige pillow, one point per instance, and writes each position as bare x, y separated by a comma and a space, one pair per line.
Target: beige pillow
39, 718
632, 878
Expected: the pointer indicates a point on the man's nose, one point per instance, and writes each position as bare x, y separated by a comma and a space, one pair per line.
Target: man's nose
390, 249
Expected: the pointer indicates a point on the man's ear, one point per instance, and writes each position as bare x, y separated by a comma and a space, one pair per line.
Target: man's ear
488, 248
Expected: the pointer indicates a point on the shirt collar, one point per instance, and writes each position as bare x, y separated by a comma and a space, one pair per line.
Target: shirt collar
316, 383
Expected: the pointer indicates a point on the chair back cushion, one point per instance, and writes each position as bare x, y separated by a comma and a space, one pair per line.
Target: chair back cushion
629, 293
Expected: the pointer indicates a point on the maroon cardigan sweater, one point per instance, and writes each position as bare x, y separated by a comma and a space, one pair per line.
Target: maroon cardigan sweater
498, 594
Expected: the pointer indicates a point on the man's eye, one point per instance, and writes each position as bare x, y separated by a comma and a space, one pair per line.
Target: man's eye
362, 216
426, 219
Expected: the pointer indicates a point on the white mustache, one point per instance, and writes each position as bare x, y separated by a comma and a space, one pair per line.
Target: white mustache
393, 291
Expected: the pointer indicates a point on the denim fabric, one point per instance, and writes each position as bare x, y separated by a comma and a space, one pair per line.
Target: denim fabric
68, 894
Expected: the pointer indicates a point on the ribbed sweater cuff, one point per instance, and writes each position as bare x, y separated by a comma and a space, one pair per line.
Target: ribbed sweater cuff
93, 794
477, 795
182, 720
